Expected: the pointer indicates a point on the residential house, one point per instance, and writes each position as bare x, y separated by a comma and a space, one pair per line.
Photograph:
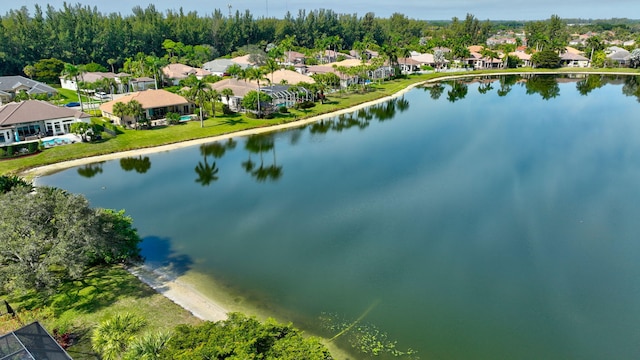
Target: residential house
173, 73
284, 76
620, 56
345, 80
569, 59
523, 56
219, 67
409, 65
329, 56
240, 88
293, 58
31, 119
155, 103
141, 84
10, 86
93, 77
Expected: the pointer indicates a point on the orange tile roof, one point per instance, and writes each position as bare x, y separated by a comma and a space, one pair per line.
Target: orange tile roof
149, 99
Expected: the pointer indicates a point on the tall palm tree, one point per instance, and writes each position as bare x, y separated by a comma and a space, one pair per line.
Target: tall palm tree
199, 93
256, 74
271, 66
214, 95
70, 72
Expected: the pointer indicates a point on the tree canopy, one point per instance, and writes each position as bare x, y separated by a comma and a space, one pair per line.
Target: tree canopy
50, 236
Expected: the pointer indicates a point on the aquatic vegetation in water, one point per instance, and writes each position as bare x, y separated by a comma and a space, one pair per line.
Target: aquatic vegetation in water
366, 338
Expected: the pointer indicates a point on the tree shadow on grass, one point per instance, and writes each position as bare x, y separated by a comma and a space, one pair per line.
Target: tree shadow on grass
103, 285
235, 121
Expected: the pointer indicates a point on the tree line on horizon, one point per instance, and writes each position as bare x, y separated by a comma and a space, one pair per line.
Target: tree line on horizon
78, 34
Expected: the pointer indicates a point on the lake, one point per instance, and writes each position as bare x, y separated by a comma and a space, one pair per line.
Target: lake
490, 218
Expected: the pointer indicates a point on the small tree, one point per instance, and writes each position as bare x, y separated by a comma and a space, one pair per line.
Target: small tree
546, 59
81, 129
635, 58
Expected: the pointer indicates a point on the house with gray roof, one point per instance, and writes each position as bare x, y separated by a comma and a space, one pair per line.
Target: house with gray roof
219, 66
618, 55
12, 85
31, 119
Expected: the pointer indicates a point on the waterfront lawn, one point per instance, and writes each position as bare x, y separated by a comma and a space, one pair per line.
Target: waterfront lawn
78, 306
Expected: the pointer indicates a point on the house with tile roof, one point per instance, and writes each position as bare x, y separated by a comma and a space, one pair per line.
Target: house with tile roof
12, 85
173, 73
31, 119
155, 103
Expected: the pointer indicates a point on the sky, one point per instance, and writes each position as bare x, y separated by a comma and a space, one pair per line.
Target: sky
415, 9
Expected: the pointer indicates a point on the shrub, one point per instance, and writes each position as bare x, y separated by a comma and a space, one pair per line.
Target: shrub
33, 147
283, 109
10, 150
173, 118
305, 105
251, 115
227, 110
3, 152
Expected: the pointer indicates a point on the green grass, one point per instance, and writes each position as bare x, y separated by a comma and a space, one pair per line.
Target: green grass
78, 306
224, 124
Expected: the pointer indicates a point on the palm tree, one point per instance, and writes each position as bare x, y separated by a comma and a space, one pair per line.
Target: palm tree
404, 53
199, 93
148, 346
271, 66
112, 62
134, 108
255, 74
72, 72
227, 93
112, 336
120, 110
234, 70
215, 96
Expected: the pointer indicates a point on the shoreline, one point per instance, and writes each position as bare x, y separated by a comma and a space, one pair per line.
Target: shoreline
52, 168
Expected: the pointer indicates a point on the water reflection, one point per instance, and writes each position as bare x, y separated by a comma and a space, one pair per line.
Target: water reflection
547, 86
208, 173
140, 164
90, 170
260, 144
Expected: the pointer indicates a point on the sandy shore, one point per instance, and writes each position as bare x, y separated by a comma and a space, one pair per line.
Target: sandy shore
181, 293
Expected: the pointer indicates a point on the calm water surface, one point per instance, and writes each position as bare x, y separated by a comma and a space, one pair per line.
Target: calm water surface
497, 220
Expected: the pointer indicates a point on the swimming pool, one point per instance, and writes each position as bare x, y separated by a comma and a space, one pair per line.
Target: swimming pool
55, 141
186, 118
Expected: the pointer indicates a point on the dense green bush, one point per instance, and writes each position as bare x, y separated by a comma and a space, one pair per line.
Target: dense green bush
305, 105
242, 337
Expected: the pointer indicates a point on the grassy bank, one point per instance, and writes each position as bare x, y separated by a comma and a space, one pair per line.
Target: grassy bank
78, 306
